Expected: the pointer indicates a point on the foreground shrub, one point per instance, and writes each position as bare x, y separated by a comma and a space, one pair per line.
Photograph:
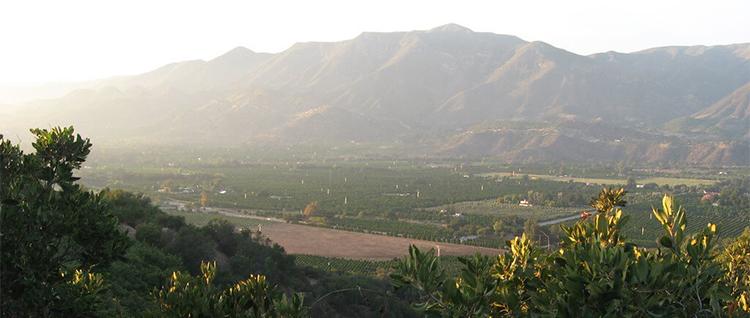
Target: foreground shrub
597, 272
196, 296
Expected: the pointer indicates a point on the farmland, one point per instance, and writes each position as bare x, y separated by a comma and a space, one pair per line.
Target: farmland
407, 200
299, 239
644, 230
493, 208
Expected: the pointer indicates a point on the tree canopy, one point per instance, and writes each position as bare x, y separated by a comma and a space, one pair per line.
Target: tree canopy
53, 231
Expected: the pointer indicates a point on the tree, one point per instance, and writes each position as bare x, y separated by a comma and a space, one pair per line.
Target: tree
193, 247
142, 269
53, 232
204, 199
631, 183
498, 227
530, 227
525, 178
149, 233
310, 209
129, 208
222, 232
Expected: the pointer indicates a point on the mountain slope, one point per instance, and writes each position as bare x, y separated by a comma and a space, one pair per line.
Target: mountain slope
196, 75
728, 117
432, 87
555, 144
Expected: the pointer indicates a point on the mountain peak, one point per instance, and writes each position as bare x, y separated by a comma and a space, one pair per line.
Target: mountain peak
238, 52
451, 27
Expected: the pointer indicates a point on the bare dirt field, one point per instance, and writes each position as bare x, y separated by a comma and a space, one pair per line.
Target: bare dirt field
300, 239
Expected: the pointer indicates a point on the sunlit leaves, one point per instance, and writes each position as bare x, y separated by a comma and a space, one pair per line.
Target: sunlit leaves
735, 258
196, 296
598, 273
673, 222
608, 199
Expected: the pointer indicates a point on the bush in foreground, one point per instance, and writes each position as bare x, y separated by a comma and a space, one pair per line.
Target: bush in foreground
597, 272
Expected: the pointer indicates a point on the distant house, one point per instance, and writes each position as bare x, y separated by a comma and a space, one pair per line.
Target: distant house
458, 215
468, 238
640, 186
524, 203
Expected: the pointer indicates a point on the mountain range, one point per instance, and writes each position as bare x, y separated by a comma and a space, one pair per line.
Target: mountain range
447, 91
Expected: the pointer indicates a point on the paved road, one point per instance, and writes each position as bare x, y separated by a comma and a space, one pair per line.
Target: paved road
563, 219
234, 213
239, 213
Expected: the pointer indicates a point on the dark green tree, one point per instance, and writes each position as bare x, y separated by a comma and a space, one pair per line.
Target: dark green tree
135, 277
530, 227
54, 233
149, 233
631, 183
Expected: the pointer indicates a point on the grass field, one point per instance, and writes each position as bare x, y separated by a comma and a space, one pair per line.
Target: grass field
671, 181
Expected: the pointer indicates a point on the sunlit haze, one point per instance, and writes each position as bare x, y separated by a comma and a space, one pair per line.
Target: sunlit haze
44, 41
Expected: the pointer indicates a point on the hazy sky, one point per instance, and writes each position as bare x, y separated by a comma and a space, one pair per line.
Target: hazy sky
42, 41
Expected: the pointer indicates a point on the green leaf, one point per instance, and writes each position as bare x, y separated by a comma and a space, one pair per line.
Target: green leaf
666, 241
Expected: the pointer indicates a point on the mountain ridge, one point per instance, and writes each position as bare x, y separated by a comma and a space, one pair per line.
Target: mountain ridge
427, 87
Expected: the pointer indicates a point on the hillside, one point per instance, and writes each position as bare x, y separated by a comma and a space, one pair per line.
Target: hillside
427, 89
728, 117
